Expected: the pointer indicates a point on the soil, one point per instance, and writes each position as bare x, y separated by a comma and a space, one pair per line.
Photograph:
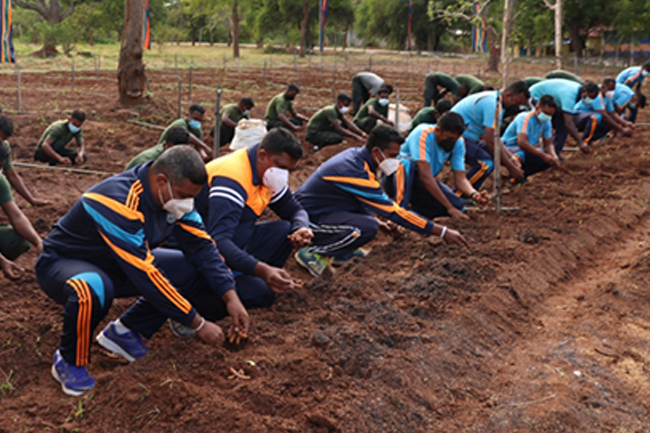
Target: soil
542, 325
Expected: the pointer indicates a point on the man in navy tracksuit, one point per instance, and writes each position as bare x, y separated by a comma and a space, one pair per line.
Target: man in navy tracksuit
239, 188
103, 248
343, 195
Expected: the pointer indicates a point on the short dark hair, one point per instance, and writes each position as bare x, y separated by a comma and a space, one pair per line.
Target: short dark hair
547, 101
177, 135
646, 65
4, 152
280, 140
6, 125
518, 88
386, 87
443, 105
382, 136
197, 107
79, 115
590, 87
247, 102
609, 80
344, 97
293, 88
452, 122
179, 163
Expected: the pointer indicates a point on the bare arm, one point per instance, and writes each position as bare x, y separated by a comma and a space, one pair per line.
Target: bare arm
201, 146
506, 156
354, 128
284, 119
463, 185
573, 132
431, 185
378, 115
226, 120
17, 183
548, 157
22, 225
345, 132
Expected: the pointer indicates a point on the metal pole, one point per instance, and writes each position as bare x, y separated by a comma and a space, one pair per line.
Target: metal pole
217, 123
72, 75
264, 75
397, 104
18, 96
190, 84
497, 152
180, 95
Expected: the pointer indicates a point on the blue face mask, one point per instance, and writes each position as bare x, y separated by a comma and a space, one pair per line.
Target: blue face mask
73, 129
195, 124
543, 117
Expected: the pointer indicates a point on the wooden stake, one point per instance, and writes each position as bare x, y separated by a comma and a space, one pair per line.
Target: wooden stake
72, 75
180, 95
217, 123
264, 75
189, 97
18, 96
397, 104
96, 68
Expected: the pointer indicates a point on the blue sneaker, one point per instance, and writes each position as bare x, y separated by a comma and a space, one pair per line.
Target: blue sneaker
340, 260
74, 380
128, 345
313, 262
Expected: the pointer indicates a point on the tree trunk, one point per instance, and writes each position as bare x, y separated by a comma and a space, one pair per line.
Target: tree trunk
558, 34
493, 62
509, 7
576, 43
130, 72
345, 36
235, 29
306, 8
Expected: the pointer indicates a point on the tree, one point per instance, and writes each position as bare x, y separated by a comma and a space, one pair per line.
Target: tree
582, 16
130, 73
632, 21
52, 14
557, 12
463, 10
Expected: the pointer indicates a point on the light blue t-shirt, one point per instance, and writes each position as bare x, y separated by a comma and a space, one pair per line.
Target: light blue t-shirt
599, 104
633, 73
622, 95
565, 92
478, 113
421, 145
529, 124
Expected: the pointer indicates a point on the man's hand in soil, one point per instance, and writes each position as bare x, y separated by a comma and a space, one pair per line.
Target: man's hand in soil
278, 280
237, 311
517, 172
79, 159
452, 237
211, 334
66, 162
457, 214
584, 147
10, 269
301, 237
551, 160
40, 202
481, 197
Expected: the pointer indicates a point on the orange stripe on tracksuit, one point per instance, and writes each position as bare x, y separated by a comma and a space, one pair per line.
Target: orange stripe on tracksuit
484, 168
594, 125
84, 317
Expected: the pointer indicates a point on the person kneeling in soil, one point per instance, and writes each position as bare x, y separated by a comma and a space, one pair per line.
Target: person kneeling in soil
431, 115
102, 249
373, 110
280, 111
329, 125
364, 85
52, 148
191, 124
17, 236
522, 138
343, 195
240, 186
175, 135
422, 158
232, 114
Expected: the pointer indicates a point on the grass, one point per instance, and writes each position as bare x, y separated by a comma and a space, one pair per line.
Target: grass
8, 385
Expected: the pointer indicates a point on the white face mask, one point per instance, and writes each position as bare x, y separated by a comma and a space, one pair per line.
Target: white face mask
587, 100
609, 94
389, 165
344, 109
176, 207
383, 102
645, 73
275, 178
